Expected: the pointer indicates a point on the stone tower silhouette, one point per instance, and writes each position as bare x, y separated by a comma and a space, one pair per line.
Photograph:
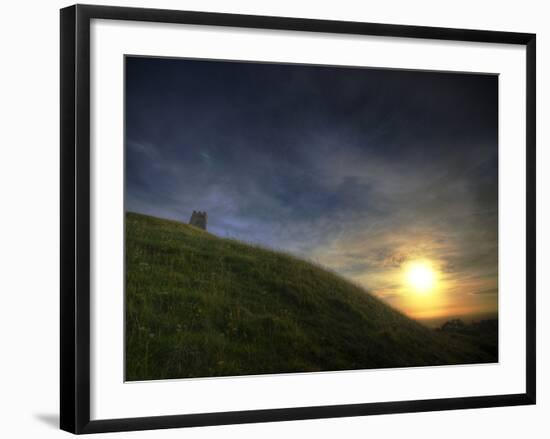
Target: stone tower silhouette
198, 219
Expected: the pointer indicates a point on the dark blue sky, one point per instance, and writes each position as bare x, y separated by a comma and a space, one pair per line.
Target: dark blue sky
358, 169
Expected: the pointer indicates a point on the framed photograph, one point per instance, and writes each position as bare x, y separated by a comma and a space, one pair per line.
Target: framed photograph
268, 218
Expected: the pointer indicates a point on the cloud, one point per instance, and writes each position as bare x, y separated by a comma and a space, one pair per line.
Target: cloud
491, 291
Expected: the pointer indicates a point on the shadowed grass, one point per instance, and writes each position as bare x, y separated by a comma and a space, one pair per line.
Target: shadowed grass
198, 305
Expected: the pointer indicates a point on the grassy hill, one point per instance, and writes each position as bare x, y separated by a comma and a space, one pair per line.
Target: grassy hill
199, 305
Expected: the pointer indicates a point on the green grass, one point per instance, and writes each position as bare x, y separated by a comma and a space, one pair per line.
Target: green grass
198, 305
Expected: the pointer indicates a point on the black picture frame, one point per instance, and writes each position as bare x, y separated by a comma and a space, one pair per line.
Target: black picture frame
75, 218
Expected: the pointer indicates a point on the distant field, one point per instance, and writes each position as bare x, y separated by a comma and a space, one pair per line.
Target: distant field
436, 322
198, 305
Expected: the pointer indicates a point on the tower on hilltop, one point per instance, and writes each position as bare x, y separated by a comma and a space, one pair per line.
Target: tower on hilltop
198, 219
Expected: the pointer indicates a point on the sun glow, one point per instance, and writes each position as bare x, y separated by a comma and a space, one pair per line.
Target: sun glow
421, 277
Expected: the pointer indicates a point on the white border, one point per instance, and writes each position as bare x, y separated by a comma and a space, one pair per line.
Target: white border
112, 398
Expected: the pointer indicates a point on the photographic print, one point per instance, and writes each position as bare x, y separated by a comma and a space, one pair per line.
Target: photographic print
287, 218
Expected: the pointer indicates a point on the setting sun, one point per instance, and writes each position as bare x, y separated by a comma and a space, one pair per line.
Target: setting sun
421, 277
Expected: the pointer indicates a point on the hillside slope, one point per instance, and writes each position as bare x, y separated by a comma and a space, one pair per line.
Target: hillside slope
199, 305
